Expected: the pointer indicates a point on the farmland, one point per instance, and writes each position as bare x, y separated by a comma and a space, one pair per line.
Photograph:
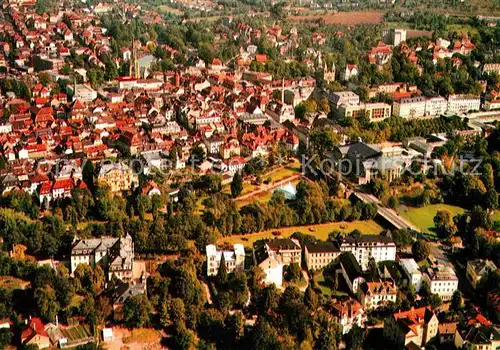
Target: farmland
344, 18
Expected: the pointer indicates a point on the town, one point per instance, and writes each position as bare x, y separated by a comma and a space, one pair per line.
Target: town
269, 175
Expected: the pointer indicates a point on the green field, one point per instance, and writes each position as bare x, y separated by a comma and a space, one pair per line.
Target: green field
77, 333
423, 217
319, 231
463, 29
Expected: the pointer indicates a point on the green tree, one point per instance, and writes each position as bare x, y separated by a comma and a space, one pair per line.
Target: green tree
421, 250
236, 185
137, 310
444, 223
46, 302
456, 301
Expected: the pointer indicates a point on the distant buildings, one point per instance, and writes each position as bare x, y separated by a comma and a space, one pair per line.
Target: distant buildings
115, 255
234, 260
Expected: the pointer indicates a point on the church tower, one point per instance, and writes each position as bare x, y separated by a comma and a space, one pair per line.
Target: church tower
329, 74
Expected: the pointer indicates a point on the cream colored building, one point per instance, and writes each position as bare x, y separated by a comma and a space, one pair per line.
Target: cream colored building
459, 104
234, 260
442, 280
119, 177
320, 254
373, 111
411, 107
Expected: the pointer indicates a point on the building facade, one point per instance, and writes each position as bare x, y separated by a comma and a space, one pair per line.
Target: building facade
364, 247
320, 254
234, 260
115, 255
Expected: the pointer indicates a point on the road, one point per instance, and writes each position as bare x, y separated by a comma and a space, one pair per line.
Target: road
388, 214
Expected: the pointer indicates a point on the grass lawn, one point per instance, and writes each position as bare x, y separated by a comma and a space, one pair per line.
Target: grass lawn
320, 231
142, 335
11, 283
423, 217
76, 333
166, 8
262, 197
462, 28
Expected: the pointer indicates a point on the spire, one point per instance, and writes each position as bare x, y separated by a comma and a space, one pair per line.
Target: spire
282, 90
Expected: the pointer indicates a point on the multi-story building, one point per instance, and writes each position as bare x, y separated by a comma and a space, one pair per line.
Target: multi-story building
477, 269
458, 104
491, 68
319, 254
373, 111
435, 106
288, 248
343, 97
119, 177
412, 271
442, 280
115, 255
364, 247
234, 260
377, 293
272, 256
348, 313
411, 107
416, 326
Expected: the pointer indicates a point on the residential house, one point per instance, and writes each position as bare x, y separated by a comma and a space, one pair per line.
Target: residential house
477, 269
448, 333
441, 279
348, 313
411, 107
233, 260
35, 334
375, 294
270, 263
415, 326
459, 104
115, 255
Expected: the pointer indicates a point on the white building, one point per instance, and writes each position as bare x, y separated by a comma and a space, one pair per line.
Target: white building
435, 106
412, 271
375, 112
234, 260
320, 254
459, 104
272, 256
411, 107
343, 97
380, 248
115, 255
442, 280
83, 93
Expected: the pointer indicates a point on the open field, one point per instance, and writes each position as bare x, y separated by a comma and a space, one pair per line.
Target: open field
142, 335
262, 197
12, 283
496, 216
166, 8
320, 231
423, 217
462, 28
345, 18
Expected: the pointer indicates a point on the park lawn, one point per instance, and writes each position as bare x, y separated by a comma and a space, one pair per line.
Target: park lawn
12, 283
261, 198
166, 8
320, 231
322, 284
462, 29
423, 217
142, 335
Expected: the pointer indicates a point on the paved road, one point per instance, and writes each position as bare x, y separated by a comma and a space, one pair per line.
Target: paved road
389, 214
